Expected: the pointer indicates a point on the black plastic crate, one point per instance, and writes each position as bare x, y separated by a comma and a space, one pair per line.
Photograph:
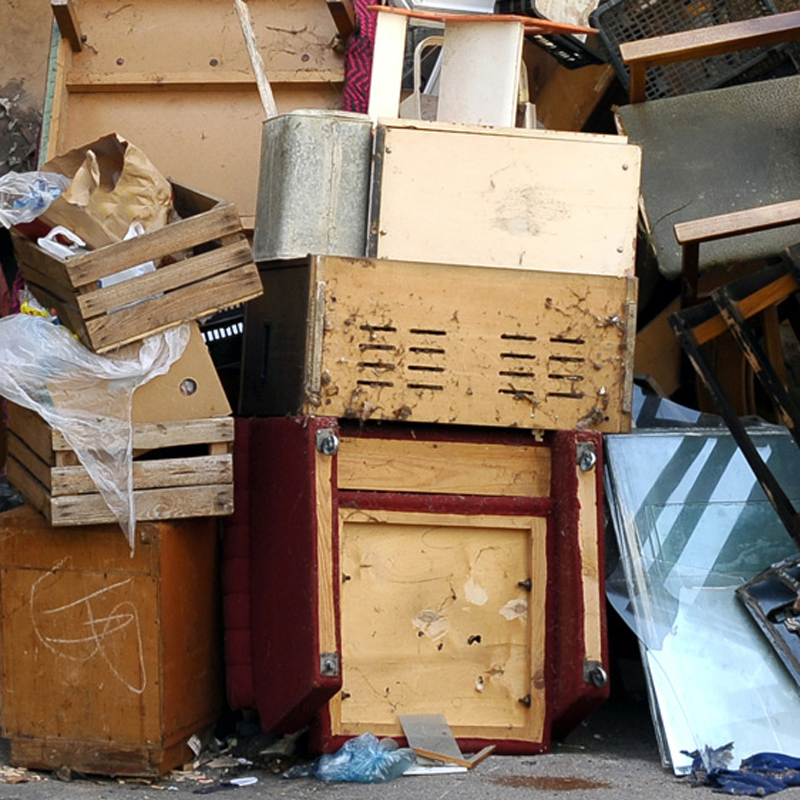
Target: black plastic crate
567, 49
629, 20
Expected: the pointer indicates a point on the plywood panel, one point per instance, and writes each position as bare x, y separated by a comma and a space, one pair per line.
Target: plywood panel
523, 199
392, 465
430, 601
488, 347
175, 79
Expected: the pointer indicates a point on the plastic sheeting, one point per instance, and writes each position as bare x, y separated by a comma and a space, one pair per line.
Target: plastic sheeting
691, 525
86, 396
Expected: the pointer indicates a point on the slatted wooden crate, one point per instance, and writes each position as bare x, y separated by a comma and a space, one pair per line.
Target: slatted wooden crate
204, 263
450, 344
167, 483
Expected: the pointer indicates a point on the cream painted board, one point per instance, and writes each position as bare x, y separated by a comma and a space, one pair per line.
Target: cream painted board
390, 465
387, 65
480, 73
537, 203
175, 79
431, 601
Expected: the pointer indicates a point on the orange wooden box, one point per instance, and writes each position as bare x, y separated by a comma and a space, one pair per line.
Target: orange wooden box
111, 661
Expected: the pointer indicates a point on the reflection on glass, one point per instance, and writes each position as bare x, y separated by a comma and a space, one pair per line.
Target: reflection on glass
691, 525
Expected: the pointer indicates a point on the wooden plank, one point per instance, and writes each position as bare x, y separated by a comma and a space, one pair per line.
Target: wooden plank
387, 66
391, 465
181, 305
220, 81
66, 15
430, 732
43, 267
151, 504
256, 62
159, 473
469, 763
343, 15
466, 623
489, 201
173, 238
327, 541
737, 223
27, 458
183, 273
32, 429
593, 596
716, 40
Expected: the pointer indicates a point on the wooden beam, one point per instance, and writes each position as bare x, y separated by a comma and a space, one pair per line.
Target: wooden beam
711, 41
66, 15
344, 16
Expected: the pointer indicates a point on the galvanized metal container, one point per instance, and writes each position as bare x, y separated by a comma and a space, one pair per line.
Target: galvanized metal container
313, 186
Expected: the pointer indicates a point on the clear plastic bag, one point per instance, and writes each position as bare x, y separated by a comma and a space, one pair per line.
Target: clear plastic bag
365, 759
26, 195
86, 396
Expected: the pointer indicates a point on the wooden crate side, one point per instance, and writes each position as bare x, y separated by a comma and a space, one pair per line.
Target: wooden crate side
35, 432
186, 272
220, 221
41, 267
392, 465
451, 344
85, 654
151, 504
181, 305
27, 459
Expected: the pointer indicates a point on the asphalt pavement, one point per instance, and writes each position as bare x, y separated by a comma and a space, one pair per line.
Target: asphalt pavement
612, 754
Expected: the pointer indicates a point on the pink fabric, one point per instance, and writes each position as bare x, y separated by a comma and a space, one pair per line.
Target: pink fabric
358, 59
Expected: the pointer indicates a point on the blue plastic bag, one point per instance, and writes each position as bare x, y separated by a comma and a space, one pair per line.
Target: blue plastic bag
364, 759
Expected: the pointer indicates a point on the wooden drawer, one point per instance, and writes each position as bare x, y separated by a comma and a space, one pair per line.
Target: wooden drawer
111, 660
391, 340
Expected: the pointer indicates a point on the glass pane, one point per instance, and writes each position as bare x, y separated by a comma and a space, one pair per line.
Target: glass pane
691, 525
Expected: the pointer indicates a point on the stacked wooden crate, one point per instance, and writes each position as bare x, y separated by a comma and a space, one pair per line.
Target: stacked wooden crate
122, 640
430, 449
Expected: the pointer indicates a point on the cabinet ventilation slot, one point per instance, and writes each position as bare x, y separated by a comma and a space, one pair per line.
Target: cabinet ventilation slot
421, 368
376, 365
529, 356
568, 359
519, 337
566, 340
426, 332
518, 374
430, 386
375, 383
384, 347
386, 328
434, 351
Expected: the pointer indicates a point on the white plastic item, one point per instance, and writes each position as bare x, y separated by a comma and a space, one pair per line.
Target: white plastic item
26, 195
136, 229
75, 245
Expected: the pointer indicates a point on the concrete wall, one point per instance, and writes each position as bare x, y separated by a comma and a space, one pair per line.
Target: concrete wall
25, 29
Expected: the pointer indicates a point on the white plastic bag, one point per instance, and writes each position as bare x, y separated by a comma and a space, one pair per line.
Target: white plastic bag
26, 195
86, 396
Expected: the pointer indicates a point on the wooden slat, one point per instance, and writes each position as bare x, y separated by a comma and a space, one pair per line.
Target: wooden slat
343, 15
66, 15
392, 465
151, 504
737, 223
183, 273
182, 305
327, 541
715, 40
89, 268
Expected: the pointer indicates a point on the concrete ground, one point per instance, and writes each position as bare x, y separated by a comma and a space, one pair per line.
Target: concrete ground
612, 754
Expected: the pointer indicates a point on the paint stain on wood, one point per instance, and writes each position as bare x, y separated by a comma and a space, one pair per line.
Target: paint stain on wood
549, 784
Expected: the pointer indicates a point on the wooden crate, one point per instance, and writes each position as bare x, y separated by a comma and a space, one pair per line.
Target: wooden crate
176, 79
111, 660
204, 264
426, 569
392, 340
167, 483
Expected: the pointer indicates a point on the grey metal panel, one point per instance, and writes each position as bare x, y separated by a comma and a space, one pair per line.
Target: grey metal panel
313, 185
713, 153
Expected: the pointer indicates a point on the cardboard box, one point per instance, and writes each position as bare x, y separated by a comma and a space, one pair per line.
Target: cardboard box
190, 390
204, 264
